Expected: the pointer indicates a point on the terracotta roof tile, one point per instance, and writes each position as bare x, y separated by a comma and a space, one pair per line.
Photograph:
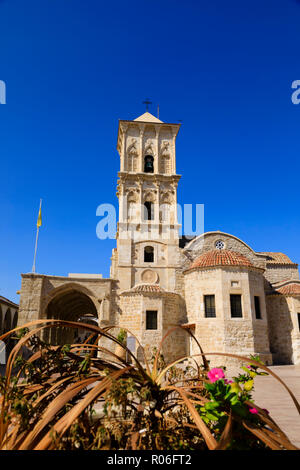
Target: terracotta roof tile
220, 258
290, 289
147, 288
277, 258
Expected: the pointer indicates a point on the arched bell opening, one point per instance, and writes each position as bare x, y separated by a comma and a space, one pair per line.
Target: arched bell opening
149, 164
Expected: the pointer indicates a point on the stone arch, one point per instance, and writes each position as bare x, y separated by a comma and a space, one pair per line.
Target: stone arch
149, 195
65, 288
15, 320
132, 205
1, 319
71, 303
149, 163
132, 196
7, 321
149, 254
7, 327
192, 243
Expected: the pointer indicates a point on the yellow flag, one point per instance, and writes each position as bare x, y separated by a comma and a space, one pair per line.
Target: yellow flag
39, 220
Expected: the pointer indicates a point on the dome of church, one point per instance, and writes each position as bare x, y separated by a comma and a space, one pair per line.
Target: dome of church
220, 258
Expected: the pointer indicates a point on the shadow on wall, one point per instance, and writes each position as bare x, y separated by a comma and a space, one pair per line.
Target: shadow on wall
8, 321
69, 305
280, 330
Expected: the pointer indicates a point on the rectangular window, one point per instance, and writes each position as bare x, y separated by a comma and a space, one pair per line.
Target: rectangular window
151, 319
257, 307
299, 320
210, 308
236, 306
235, 284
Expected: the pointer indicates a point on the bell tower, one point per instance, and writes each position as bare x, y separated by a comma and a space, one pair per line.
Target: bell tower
147, 236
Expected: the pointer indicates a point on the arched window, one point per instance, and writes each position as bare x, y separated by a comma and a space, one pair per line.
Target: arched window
148, 211
148, 167
15, 320
148, 254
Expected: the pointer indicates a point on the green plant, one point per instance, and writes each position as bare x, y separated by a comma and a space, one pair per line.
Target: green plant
60, 399
122, 336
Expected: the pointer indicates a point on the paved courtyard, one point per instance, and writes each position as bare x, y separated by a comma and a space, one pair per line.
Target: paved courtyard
270, 394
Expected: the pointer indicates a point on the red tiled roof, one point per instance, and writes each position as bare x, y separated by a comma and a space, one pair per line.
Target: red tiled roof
147, 288
220, 258
290, 289
277, 258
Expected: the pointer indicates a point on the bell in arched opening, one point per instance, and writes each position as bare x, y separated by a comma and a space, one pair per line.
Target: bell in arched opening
149, 167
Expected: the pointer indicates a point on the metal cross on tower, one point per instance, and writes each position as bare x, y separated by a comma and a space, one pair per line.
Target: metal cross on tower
147, 102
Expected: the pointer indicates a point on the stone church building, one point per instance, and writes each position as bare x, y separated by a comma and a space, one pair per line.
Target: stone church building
233, 299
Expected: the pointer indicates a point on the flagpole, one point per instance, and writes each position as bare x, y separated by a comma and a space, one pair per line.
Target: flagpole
36, 241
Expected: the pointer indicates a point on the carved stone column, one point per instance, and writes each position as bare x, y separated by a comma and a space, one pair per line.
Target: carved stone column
141, 159
123, 153
156, 160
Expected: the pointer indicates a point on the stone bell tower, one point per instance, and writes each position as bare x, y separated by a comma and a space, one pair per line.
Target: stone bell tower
147, 236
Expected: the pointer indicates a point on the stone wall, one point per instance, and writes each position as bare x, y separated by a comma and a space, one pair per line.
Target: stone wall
243, 336
37, 291
276, 273
175, 344
170, 311
284, 331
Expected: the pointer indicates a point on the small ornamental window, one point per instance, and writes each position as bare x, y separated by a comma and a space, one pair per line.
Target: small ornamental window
220, 245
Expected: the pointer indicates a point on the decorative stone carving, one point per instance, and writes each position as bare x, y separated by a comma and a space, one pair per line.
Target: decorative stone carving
149, 147
165, 148
132, 195
132, 155
166, 197
132, 146
150, 196
149, 276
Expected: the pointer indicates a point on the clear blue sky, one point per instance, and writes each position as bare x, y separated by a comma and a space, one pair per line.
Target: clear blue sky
74, 67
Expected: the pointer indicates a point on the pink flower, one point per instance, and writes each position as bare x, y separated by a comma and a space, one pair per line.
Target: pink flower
253, 411
266, 411
215, 374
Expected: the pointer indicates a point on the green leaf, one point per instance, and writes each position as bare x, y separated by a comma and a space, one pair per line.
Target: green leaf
212, 405
239, 409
